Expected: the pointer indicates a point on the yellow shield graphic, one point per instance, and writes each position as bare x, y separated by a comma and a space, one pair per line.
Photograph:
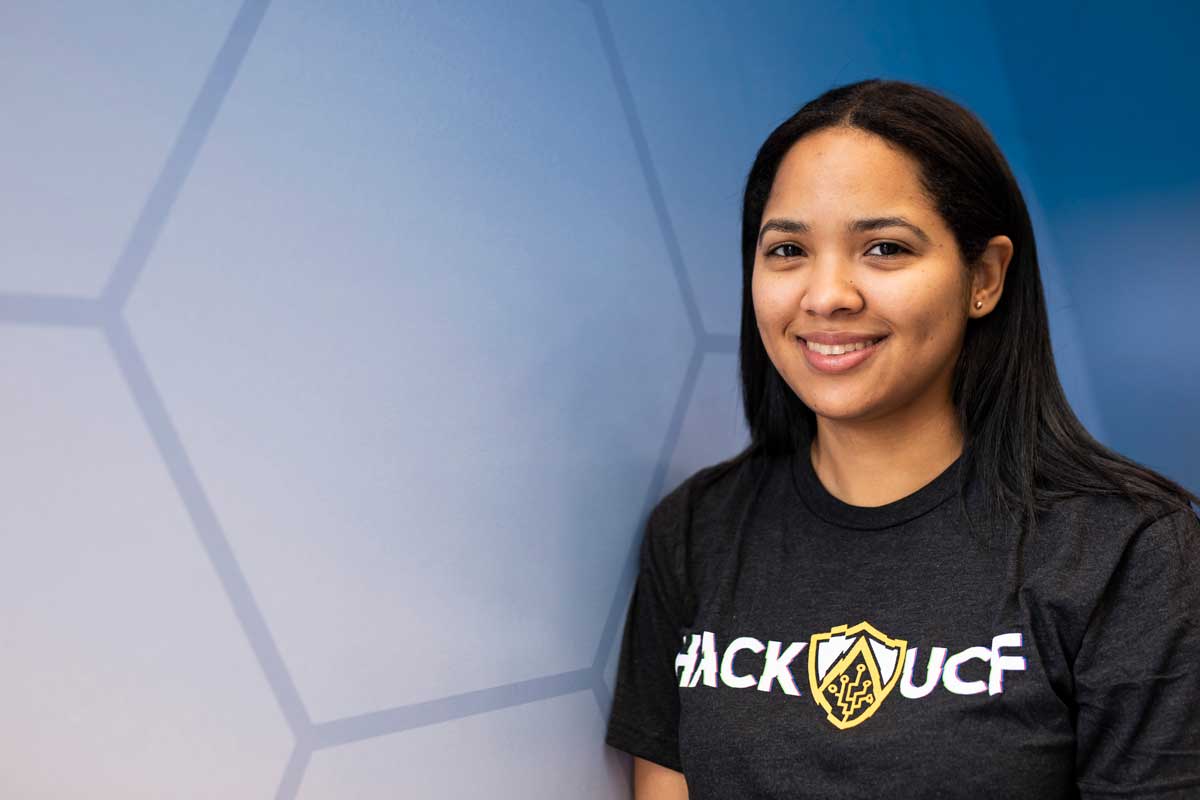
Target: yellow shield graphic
852, 669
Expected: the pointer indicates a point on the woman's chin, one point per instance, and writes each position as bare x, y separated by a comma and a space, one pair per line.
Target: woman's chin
843, 410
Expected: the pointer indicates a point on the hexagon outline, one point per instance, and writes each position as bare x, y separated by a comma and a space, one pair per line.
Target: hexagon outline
107, 313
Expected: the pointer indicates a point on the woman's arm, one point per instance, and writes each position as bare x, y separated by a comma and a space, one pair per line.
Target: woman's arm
1137, 686
655, 782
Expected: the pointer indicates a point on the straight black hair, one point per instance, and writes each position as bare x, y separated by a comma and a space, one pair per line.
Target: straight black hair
1022, 441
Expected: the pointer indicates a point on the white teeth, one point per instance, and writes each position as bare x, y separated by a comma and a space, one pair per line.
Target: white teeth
837, 349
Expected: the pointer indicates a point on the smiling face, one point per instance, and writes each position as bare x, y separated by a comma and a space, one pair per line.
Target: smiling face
836, 258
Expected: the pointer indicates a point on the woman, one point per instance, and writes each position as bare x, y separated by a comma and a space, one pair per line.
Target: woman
923, 578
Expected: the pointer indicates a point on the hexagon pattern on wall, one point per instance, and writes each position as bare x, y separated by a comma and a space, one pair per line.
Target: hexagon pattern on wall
383, 347
368, 325
543, 749
123, 664
93, 96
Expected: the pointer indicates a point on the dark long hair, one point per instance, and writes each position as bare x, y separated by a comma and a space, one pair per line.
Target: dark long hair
1022, 441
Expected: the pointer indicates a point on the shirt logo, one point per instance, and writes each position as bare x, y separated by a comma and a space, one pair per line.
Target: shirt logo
852, 670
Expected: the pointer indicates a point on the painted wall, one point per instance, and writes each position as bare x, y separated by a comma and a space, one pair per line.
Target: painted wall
344, 348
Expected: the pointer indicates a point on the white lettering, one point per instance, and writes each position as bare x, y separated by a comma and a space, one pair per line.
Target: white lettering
950, 677
776, 667
933, 671
698, 663
708, 662
687, 661
1001, 663
728, 677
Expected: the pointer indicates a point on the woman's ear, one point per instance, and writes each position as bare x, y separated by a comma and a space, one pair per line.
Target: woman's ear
987, 278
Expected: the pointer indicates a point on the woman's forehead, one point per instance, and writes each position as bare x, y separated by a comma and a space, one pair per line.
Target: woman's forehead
850, 160
840, 175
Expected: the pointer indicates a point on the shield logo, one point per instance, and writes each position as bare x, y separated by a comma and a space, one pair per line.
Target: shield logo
851, 670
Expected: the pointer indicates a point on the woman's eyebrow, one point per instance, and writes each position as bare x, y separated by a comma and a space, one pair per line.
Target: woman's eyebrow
855, 226
875, 223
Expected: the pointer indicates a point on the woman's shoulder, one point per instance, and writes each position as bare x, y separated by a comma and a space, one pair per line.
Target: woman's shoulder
708, 489
1095, 534
1092, 556
697, 511
1115, 522
1083, 544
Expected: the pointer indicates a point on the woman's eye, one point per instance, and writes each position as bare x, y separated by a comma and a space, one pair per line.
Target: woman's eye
899, 249
794, 250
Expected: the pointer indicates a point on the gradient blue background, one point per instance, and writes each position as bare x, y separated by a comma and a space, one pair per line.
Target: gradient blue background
344, 348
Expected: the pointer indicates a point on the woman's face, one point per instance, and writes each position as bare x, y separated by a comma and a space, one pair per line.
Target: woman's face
836, 260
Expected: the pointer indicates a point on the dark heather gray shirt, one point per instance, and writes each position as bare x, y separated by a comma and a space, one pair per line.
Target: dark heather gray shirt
783, 644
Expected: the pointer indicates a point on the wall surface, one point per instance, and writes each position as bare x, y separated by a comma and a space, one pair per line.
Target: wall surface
344, 348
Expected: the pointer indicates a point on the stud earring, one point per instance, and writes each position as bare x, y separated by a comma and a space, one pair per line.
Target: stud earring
979, 304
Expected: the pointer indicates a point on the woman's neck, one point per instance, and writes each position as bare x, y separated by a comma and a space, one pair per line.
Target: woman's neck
881, 461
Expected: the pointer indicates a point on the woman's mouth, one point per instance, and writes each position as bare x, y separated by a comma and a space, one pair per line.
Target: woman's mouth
838, 357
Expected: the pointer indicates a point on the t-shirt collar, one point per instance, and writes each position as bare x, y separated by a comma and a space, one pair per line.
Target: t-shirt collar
820, 502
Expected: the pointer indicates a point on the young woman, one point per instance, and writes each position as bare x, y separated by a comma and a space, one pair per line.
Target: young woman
923, 578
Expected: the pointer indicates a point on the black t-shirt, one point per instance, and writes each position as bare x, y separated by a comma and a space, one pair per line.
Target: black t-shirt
781, 643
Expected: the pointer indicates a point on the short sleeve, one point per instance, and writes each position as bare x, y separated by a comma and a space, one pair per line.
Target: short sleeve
644, 720
1137, 673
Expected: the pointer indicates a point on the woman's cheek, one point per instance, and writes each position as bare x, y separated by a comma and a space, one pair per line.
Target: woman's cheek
771, 315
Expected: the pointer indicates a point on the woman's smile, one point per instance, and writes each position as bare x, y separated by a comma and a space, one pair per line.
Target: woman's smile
838, 357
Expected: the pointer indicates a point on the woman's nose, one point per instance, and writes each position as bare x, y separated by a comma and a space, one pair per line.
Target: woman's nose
830, 287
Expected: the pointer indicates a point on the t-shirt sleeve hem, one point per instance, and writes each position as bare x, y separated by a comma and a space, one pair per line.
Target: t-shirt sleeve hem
661, 751
1184, 790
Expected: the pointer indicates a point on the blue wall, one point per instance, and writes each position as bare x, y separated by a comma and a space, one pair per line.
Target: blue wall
346, 346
